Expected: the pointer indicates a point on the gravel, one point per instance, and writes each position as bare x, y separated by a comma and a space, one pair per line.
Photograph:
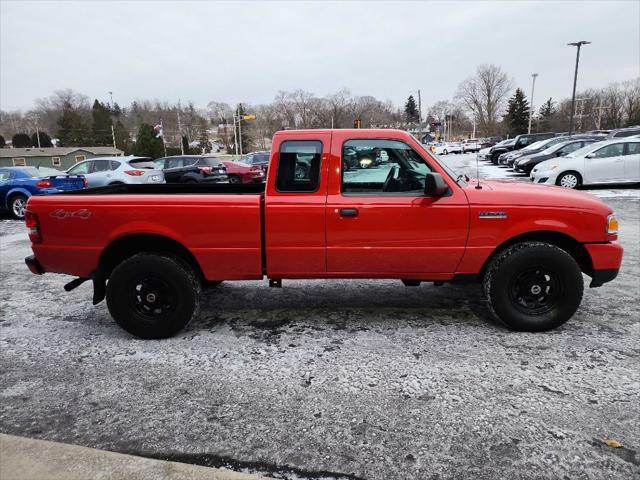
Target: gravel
332, 379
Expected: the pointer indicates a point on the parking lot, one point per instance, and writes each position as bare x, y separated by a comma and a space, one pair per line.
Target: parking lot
333, 379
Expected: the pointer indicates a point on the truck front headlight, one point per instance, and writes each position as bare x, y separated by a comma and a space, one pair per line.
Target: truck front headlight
612, 225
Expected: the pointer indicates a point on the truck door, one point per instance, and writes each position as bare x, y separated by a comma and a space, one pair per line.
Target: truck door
380, 223
295, 205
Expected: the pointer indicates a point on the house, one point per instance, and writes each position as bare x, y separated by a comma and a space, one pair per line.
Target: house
60, 158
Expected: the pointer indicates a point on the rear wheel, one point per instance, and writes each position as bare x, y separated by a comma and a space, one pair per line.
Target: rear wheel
444, 152
153, 295
234, 179
533, 286
17, 205
569, 180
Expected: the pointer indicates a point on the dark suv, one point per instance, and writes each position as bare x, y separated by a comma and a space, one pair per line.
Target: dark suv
192, 169
521, 141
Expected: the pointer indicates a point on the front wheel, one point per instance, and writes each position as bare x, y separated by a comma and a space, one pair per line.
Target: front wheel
153, 295
444, 152
569, 180
18, 205
533, 286
234, 179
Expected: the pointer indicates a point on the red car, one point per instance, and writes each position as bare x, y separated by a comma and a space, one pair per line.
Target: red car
239, 172
151, 248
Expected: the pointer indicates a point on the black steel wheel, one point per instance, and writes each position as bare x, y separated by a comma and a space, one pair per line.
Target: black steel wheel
533, 286
153, 295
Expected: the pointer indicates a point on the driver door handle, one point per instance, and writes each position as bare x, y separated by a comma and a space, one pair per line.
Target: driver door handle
348, 212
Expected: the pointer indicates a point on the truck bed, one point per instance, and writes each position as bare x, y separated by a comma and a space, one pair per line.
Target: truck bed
219, 224
175, 188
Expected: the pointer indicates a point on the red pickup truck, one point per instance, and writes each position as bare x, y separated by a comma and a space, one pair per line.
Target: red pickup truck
336, 204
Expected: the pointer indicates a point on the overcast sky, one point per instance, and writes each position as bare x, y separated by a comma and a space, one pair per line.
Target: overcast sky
203, 51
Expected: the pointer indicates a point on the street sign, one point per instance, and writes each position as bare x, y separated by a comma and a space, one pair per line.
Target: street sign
248, 117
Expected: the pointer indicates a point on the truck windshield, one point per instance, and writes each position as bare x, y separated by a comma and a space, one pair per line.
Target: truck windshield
451, 172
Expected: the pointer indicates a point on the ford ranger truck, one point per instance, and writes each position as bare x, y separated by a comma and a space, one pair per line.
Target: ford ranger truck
370, 204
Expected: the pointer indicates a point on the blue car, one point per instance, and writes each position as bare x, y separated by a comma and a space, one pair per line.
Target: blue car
17, 184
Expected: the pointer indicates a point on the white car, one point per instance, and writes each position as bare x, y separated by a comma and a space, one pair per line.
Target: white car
101, 171
471, 145
613, 161
445, 148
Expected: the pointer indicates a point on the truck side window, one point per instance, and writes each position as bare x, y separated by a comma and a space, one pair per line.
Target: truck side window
381, 166
299, 166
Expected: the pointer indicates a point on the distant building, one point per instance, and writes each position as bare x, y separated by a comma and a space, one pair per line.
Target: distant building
54, 157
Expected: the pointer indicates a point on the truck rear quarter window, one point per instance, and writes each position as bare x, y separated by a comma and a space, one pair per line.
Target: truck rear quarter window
381, 167
299, 166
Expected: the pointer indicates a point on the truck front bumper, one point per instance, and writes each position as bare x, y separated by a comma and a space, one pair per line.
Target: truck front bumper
606, 259
34, 265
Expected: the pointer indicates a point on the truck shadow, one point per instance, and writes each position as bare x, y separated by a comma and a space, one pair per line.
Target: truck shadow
355, 305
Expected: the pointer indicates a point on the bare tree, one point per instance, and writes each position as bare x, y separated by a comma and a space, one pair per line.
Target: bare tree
485, 95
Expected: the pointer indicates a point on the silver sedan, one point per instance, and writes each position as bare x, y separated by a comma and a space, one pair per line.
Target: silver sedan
118, 170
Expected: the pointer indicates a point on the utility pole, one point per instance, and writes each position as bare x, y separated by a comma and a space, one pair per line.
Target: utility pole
419, 108
113, 136
533, 86
240, 134
180, 133
36, 118
575, 80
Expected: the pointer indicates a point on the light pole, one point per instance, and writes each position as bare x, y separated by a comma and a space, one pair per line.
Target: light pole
575, 79
533, 86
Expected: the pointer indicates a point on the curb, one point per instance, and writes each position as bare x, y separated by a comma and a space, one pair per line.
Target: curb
27, 459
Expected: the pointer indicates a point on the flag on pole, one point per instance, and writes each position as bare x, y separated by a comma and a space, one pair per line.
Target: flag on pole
159, 128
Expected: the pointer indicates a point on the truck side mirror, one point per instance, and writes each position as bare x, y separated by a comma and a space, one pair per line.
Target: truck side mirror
434, 185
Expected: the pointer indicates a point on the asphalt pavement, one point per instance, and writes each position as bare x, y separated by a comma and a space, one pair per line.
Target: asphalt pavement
332, 379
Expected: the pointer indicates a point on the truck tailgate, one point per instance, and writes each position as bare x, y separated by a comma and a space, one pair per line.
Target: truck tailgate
223, 232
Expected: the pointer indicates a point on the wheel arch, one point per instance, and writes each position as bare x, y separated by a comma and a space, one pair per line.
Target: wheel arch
566, 242
128, 245
16, 191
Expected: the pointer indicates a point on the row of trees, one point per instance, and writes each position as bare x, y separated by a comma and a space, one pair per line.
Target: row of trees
484, 99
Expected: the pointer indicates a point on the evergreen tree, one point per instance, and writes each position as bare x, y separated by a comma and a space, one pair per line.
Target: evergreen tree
73, 131
203, 137
21, 140
147, 145
101, 124
123, 140
45, 139
411, 111
546, 113
517, 117
185, 144
2, 141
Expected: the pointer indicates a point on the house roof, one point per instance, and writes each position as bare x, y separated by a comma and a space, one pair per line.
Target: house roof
55, 151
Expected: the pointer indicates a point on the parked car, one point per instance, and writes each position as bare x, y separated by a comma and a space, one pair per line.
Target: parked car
537, 147
623, 132
239, 172
445, 148
485, 152
117, 170
192, 169
527, 245
520, 142
17, 184
612, 161
256, 159
526, 163
470, 145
